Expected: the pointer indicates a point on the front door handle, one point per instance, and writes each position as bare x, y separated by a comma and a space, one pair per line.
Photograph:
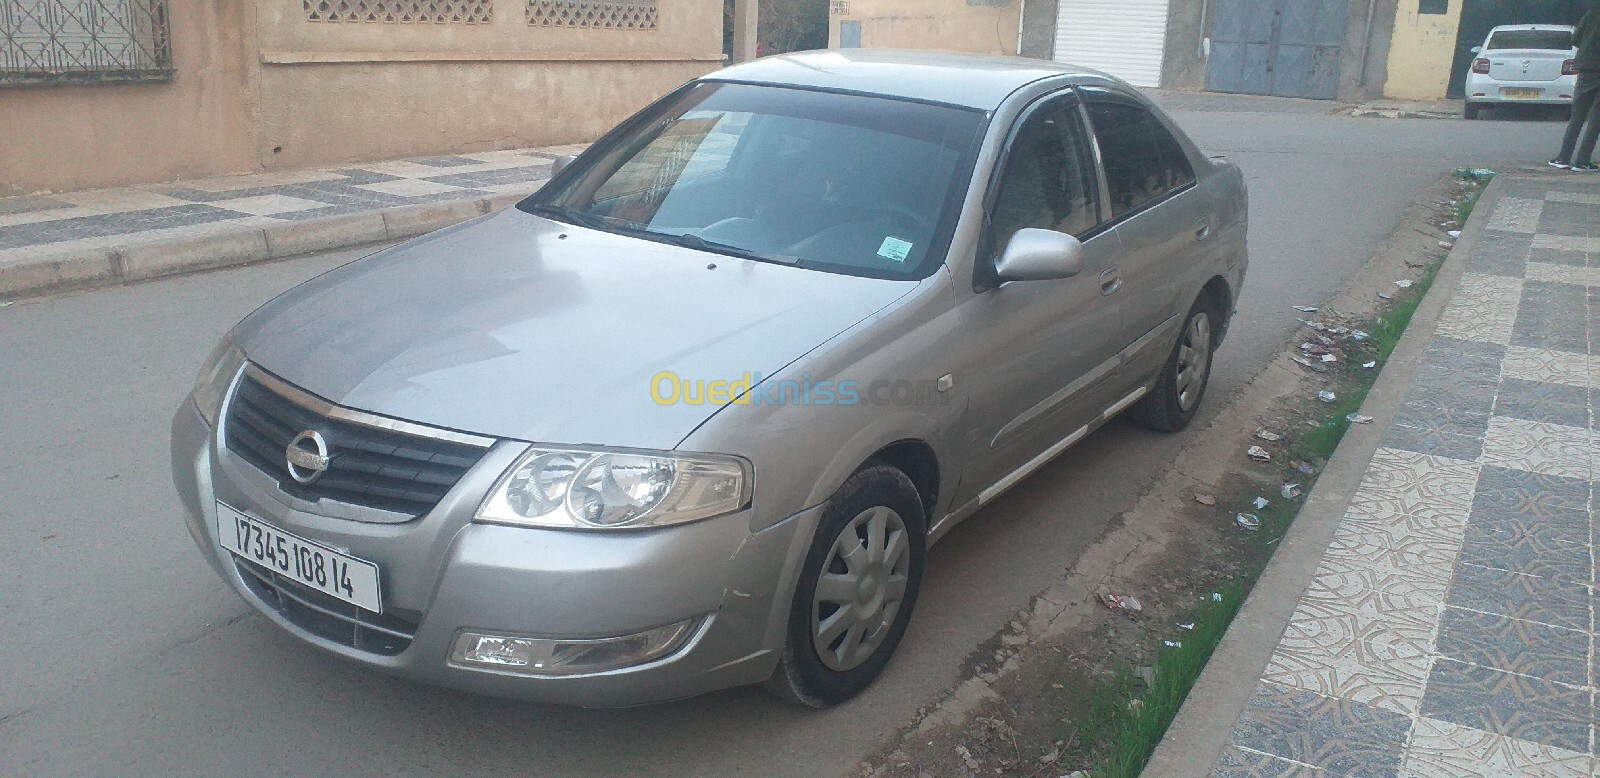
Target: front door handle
1110, 281
1202, 229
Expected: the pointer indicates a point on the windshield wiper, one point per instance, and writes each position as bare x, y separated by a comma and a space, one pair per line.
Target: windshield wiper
572, 216
692, 241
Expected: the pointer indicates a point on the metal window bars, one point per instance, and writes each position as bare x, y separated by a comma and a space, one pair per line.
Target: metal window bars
401, 11
51, 42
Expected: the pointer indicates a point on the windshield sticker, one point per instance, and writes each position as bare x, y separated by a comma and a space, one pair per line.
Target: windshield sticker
895, 249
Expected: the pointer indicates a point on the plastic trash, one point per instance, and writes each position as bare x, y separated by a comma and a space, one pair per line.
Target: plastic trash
1121, 603
1385, 296
1172, 643
1359, 335
1189, 626
1249, 522
1268, 435
1454, 233
1304, 468
1289, 491
1356, 418
1259, 454
1261, 502
1329, 358
1303, 362
1403, 283
1370, 365
1216, 596
1305, 309
1327, 396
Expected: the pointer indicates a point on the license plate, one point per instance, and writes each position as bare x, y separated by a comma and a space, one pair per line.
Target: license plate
305, 562
1522, 93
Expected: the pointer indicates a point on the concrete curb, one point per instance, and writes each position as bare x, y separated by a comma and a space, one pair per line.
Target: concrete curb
1196, 738
34, 271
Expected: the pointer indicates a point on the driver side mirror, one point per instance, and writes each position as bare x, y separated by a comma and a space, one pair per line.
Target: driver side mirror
1040, 255
560, 163
1477, 49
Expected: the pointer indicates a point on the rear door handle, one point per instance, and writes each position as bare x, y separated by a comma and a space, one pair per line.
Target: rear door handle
1110, 281
1202, 229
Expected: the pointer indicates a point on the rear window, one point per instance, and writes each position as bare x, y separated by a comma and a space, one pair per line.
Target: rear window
1531, 39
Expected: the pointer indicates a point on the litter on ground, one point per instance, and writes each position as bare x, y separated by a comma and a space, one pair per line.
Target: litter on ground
1370, 365
1305, 309
1259, 454
1268, 435
1205, 499
1327, 396
1249, 522
1356, 418
1289, 491
1261, 502
1121, 603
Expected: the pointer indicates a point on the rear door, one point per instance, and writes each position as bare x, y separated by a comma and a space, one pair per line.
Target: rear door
1162, 219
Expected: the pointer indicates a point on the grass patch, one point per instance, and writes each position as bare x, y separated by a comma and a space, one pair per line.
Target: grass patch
1131, 716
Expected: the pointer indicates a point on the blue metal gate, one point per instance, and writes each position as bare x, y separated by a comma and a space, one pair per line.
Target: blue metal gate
1285, 48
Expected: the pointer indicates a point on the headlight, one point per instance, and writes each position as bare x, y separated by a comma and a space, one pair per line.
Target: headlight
215, 377
585, 489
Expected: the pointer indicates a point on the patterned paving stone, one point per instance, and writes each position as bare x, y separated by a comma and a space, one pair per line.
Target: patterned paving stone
1550, 449
1439, 749
1520, 647
1518, 596
1516, 214
1240, 763
1531, 709
1342, 737
1543, 402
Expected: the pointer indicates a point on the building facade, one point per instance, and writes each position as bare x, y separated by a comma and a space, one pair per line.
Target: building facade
1351, 50
100, 93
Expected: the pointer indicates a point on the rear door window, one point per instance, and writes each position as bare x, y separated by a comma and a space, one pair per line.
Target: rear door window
1143, 162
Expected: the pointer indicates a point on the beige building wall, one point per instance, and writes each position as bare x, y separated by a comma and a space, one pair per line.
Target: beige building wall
259, 87
1421, 52
978, 26
60, 138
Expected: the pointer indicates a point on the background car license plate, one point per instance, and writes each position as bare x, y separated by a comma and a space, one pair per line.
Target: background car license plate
303, 561
1522, 93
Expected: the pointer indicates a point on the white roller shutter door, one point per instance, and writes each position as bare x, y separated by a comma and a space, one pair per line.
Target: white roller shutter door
1126, 38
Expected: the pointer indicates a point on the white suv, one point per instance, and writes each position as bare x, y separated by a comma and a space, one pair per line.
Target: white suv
1523, 63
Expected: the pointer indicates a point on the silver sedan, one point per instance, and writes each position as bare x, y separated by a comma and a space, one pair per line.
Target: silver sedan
690, 416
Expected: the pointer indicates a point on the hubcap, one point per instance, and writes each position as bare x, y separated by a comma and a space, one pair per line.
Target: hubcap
862, 584
1194, 360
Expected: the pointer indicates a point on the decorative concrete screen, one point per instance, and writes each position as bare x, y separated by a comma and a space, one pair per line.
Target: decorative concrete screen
45, 42
598, 14
400, 11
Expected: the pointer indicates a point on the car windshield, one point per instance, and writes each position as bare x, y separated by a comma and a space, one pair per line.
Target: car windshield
836, 182
1560, 40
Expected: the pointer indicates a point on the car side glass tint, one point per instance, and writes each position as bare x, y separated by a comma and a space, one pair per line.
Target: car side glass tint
1047, 183
1142, 160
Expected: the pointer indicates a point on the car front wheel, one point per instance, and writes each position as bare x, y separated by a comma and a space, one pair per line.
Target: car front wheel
1172, 404
856, 590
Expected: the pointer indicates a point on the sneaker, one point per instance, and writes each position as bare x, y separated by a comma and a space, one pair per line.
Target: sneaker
1559, 165
1585, 167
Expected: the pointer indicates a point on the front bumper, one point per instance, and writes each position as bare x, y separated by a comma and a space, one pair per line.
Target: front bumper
444, 574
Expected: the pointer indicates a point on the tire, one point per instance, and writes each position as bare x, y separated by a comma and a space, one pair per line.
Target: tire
1172, 404
820, 666
1471, 111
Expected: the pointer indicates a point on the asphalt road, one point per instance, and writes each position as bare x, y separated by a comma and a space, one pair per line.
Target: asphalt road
121, 653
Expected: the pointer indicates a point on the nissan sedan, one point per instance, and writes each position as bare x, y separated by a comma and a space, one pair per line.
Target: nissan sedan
690, 416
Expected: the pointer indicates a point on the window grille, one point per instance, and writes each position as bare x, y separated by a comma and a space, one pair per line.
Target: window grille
401, 11
597, 14
44, 42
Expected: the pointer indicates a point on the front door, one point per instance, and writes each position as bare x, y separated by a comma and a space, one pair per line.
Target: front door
1043, 353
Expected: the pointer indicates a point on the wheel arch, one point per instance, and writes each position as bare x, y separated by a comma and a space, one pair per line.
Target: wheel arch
920, 463
1220, 294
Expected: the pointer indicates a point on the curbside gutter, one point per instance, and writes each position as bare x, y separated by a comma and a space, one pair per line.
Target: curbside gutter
1194, 741
34, 271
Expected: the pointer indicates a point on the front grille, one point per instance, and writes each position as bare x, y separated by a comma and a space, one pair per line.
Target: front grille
387, 633
368, 466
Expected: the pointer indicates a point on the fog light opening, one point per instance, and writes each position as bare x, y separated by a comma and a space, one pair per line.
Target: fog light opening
550, 656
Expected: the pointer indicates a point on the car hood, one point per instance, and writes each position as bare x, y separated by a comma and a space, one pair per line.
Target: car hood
515, 326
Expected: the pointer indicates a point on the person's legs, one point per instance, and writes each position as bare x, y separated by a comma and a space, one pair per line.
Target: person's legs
1583, 103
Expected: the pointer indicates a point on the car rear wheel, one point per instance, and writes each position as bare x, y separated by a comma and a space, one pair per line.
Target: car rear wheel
1172, 404
1471, 111
856, 590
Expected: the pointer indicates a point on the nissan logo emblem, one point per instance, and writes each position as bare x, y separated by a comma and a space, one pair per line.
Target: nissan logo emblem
307, 456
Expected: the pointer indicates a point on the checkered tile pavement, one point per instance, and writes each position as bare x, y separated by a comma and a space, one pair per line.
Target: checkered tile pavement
1450, 629
106, 217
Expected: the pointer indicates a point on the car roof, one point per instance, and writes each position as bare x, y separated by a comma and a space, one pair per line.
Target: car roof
969, 80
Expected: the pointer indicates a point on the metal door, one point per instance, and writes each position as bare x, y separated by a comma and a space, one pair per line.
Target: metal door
849, 35
1284, 48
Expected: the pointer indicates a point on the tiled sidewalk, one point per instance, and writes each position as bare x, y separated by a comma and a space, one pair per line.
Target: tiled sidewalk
1450, 629
108, 217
